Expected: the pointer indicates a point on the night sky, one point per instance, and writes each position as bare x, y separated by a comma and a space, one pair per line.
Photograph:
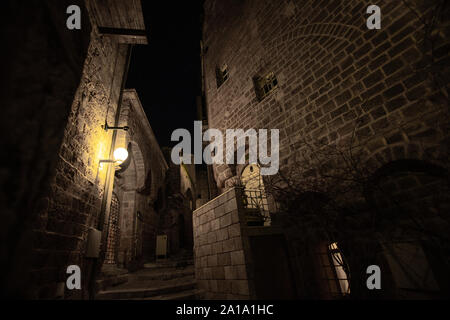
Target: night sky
166, 72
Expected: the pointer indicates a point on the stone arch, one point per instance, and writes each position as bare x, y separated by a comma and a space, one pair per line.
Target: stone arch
339, 31
312, 33
422, 175
412, 201
250, 176
139, 163
131, 183
412, 165
387, 153
147, 188
234, 171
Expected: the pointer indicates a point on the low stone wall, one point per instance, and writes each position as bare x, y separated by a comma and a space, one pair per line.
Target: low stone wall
220, 266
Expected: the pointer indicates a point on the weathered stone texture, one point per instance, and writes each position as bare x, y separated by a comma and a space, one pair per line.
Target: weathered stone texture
335, 76
77, 187
138, 186
42, 62
218, 246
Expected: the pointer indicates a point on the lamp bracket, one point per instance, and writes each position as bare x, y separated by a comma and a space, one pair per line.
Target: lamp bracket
107, 161
106, 127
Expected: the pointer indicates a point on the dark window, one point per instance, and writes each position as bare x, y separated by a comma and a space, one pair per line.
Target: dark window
335, 270
265, 85
221, 75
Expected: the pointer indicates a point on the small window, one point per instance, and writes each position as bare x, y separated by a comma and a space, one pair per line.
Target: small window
221, 75
335, 270
265, 85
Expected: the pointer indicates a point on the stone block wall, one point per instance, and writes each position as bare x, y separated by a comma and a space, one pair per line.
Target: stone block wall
139, 184
383, 94
76, 189
42, 63
220, 265
336, 78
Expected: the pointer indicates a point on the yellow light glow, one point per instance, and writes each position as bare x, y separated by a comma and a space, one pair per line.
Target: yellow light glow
120, 155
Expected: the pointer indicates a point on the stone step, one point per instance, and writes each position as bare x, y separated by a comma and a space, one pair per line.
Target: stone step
141, 293
112, 271
105, 283
169, 264
162, 274
195, 294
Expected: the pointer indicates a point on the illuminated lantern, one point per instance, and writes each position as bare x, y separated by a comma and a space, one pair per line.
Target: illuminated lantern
120, 155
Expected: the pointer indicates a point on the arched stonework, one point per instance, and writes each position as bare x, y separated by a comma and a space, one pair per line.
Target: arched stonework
139, 165
339, 31
125, 139
412, 201
141, 177
130, 181
335, 34
421, 150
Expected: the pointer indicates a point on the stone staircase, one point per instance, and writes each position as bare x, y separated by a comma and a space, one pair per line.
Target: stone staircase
163, 280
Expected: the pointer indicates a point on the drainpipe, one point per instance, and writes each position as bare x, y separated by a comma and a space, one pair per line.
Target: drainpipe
109, 184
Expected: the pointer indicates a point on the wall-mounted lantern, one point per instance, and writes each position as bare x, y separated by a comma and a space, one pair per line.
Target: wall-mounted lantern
120, 155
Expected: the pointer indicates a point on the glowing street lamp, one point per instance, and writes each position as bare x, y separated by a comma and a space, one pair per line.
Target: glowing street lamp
120, 155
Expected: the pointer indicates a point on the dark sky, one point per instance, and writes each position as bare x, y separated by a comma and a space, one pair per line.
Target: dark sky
166, 72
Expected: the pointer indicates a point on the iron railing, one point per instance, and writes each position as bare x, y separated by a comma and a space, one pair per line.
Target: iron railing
256, 207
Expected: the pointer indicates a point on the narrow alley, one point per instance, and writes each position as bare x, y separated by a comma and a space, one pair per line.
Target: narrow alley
225, 150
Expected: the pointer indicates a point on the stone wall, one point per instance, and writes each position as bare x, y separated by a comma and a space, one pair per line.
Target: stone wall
138, 184
336, 78
381, 95
74, 202
59, 90
42, 62
220, 266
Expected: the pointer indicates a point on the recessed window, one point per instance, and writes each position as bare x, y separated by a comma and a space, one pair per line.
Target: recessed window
335, 270
221, 75
265, 85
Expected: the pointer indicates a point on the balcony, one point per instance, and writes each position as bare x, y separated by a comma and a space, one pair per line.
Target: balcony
256, 207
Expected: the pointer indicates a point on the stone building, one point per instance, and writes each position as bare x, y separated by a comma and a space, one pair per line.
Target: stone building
363, 119
68, 180
313, 70
186, 189
137, 185
43, 71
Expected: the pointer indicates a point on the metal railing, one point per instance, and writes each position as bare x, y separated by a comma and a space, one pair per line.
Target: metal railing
256, 207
